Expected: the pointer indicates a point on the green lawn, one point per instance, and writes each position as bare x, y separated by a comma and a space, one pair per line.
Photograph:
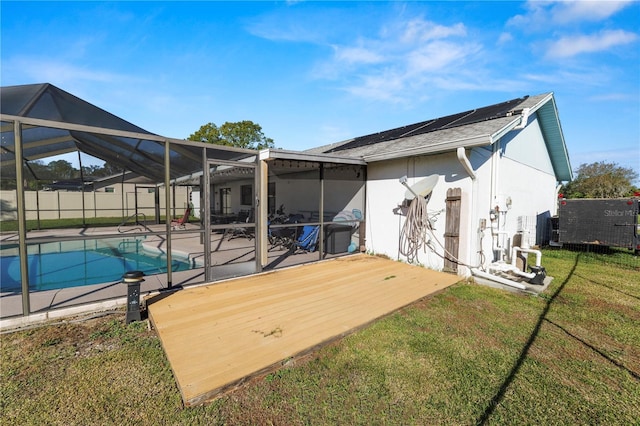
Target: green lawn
12, 225
469, 355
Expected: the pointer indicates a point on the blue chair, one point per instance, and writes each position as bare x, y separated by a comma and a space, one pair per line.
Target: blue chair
307, 241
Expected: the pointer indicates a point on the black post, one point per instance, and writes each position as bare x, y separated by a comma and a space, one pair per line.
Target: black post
133, 280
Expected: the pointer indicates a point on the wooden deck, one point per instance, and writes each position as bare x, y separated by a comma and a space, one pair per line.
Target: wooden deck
216, 336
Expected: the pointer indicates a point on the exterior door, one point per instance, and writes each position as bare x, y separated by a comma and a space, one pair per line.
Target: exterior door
225, 201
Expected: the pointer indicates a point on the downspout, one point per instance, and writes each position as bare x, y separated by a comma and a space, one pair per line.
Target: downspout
466, 164
557, 196
494, 215
494, 172
462, 158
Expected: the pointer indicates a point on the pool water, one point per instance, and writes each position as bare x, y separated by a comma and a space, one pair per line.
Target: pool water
59, 265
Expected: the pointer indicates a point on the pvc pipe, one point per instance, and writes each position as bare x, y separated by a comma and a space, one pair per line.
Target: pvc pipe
528, 275
516, 249
505, 267
497, 279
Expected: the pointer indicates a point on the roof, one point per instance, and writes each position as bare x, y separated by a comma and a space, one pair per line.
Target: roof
478, 127
57, 122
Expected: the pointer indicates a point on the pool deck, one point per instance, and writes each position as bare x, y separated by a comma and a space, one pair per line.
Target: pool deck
230, 258
218, 336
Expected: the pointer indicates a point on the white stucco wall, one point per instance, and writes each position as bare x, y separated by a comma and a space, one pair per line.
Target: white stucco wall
301, 195
519, 169
385, 193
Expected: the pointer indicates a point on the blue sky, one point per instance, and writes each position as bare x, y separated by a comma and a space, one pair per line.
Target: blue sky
312, 73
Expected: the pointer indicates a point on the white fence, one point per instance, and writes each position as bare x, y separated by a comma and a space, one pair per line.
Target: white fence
45, 205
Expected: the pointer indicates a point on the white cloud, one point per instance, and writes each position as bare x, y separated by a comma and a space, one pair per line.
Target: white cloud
581, 10
574, 45
357, 55
625, 156
403, 59
583, 77
505, 38
63, 74
542, 13
438, 56
419, 30
613, 97
385, 86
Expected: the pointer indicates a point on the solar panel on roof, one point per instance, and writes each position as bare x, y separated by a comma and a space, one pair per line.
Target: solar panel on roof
455, 120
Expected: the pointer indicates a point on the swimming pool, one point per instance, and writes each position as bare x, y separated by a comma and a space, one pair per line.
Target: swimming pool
77, 263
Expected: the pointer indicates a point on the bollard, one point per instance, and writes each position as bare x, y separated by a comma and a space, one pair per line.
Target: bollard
133, 280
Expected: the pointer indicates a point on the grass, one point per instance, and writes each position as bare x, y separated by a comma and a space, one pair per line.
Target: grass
12, 225
470, 355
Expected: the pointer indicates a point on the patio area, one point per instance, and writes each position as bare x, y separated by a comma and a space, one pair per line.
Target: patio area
217, 336
231, 256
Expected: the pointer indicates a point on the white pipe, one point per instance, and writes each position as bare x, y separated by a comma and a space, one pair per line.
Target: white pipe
524, 119
462, 157
505, 267
497, 279
516, 249
527, 275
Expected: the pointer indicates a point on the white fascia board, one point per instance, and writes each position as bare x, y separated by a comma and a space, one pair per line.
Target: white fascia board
541, 103
506, 129
433, 148
272, 154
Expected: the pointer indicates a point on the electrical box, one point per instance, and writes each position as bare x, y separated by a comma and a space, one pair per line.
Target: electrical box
503, 202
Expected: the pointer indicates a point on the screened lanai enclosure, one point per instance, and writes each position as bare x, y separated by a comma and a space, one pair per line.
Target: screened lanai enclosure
182, 212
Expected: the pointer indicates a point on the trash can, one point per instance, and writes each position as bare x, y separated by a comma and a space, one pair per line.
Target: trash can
337, 238
133, 279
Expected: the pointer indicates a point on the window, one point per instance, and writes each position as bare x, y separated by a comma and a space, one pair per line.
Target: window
109, 189
245, 195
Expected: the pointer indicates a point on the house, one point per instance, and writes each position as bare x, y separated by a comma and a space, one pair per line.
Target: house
502, 163
488, 176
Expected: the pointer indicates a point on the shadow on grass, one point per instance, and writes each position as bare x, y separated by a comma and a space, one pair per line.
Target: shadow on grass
534, 334
608, 286
525, 350
598, 351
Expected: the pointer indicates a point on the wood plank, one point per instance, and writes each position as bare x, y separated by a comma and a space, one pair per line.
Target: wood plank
216, 336
452, 229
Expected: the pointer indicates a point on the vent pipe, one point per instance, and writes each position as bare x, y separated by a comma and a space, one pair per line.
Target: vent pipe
524, 119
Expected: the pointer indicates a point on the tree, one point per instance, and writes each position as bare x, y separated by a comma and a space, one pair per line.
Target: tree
92, 170
601, 180
61, 169
241, 134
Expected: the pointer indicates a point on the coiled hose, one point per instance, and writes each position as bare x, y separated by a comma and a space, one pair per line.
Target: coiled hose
413, 236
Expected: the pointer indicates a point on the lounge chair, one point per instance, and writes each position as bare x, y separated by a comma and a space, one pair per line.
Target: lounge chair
249, 233
280, 237
180, 223
307, 241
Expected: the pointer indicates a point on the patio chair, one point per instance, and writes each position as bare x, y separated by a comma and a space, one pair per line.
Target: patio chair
180, 223
280, 237
307, 241
244, 217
